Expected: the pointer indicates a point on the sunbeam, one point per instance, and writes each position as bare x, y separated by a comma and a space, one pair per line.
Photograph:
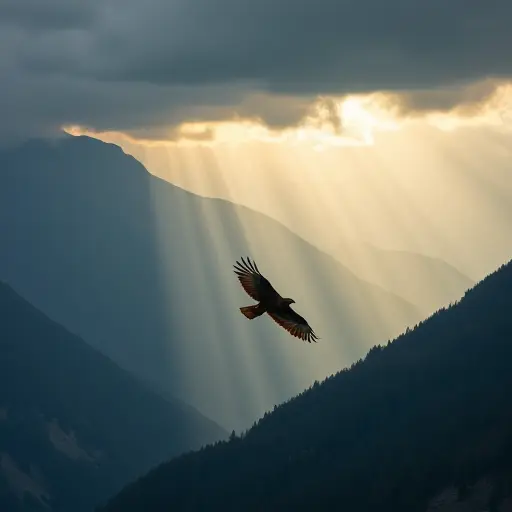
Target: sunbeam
382, 205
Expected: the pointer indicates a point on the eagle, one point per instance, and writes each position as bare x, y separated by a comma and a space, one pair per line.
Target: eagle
270, 302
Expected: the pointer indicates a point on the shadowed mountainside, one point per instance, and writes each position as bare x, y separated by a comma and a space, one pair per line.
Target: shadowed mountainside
142, 270
74, 427
428, 411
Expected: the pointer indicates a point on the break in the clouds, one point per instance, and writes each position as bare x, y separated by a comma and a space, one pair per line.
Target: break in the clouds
134, 65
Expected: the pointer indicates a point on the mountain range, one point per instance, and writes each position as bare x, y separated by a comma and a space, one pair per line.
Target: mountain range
426, 281
142, 271
442, 204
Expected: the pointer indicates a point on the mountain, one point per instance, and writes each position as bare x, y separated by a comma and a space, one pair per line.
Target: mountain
450, 207
394, 432
428, 282
142, 270
425, 281
74, 427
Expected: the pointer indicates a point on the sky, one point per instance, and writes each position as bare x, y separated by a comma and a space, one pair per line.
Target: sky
145, 68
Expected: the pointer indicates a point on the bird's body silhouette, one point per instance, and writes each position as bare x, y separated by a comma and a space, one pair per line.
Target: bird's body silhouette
270, 302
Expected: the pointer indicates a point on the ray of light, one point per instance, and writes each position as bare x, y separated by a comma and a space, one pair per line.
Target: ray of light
401, 188
299, 367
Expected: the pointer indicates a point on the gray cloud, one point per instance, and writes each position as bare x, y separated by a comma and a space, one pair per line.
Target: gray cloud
129, 65
48, 14
320, 46
467, 100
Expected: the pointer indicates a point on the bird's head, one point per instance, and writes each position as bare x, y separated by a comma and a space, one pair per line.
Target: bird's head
288, 301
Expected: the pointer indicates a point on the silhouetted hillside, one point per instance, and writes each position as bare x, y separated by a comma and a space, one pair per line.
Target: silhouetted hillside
74, 427
142, 270
430, 409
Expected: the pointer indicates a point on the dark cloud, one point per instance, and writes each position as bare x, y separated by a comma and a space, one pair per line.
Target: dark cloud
321, 46
129, 65
48, 14
467, 100
277, 111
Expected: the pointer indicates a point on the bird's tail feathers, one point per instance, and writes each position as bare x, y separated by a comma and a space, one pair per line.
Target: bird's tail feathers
252, 311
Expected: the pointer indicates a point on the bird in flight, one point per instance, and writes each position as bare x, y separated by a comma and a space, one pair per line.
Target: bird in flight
270, 302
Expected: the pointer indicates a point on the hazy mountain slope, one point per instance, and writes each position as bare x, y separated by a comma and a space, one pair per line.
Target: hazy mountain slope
74, 427
428, 282
143, 271
429, 410
445, 204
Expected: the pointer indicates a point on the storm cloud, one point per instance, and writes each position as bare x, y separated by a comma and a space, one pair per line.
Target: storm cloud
126, 65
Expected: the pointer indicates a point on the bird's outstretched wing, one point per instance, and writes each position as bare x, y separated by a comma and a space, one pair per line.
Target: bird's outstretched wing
256, 286
294, 324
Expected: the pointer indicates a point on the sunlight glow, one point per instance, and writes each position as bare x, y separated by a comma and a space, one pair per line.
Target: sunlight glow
344, 155
336, 122
496, 111
354, 171
333, 122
